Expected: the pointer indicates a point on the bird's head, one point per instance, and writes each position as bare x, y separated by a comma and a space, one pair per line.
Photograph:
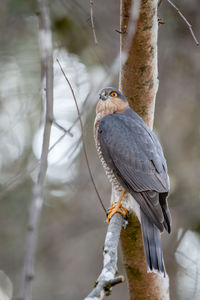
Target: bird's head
111, 101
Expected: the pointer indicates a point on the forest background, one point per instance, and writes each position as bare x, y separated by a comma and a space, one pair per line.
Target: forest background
72, 228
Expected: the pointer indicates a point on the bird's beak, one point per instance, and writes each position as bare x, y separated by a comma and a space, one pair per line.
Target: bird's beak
103, 97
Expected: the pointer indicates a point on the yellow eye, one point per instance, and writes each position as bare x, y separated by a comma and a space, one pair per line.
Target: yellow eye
113, 94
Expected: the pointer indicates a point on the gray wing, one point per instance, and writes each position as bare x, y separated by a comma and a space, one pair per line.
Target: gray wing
134, 154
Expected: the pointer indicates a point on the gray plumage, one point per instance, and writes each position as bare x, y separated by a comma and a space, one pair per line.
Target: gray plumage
133, 153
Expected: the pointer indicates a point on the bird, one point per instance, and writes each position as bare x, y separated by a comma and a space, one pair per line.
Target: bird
134, 163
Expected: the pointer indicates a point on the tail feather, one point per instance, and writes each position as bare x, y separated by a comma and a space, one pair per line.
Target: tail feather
165, 210
152, 246
166, 222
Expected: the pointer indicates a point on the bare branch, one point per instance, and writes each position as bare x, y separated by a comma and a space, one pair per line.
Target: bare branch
67, 131
159, 3
186, 21
113, 71
22, 176
37, 198
92, 21
108, 277
82, 135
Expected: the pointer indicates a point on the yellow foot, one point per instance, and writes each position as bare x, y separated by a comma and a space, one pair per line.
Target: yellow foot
116, 208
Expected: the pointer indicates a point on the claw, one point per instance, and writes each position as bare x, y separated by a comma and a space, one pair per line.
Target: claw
116, 208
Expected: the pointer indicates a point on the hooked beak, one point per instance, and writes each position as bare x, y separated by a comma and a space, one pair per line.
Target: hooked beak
103, 97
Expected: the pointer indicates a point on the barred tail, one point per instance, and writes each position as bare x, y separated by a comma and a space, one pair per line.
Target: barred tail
152, 246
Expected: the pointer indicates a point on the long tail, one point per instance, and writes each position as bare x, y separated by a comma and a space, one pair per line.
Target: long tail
152, 246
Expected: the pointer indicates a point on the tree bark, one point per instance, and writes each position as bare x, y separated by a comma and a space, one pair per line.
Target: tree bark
139, 83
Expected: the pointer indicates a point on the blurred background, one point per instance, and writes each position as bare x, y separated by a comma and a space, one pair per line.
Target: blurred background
72, 228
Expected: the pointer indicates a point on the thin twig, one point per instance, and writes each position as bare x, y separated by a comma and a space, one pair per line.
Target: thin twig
108, 274
67, 131
159, 3
108, 277
92, 21
113, 71
22, 176
82, 135
38, 190
186, 21
76, 9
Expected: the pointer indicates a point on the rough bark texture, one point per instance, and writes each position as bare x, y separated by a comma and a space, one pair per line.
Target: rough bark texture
139, 83
138, 78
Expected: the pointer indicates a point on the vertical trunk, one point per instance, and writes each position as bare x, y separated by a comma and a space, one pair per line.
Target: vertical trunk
139, 83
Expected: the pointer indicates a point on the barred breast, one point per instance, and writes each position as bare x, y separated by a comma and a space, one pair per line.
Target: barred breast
109, 172
128, 201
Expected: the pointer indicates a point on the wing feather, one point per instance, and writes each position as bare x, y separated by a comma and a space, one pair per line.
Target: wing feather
134, 154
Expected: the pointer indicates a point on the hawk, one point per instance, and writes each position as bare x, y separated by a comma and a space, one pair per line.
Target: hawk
134, 163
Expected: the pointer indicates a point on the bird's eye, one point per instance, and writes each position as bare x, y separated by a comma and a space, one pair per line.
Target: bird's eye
113, 94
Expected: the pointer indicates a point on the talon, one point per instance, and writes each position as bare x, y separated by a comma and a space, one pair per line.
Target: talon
117, 208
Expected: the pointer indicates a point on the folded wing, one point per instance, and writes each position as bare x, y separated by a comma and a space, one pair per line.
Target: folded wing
135, 155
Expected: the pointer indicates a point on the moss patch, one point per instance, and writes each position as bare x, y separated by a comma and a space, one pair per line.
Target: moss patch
107, 289
134, 272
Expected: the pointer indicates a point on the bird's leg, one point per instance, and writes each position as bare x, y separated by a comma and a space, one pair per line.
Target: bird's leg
117, 208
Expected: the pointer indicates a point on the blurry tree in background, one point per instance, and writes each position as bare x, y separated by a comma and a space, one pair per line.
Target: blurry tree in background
72, 228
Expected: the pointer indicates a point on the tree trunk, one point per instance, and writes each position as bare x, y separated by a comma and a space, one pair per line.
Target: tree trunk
139, 83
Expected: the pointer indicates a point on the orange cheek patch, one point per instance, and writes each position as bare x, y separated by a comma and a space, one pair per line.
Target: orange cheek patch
121, 105
110, 106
